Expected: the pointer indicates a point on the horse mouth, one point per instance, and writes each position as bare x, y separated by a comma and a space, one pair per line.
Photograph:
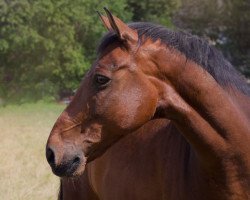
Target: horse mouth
70, 168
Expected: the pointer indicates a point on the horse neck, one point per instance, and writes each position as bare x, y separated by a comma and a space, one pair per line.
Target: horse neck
154, 145
242, 100
153, 149
169, 62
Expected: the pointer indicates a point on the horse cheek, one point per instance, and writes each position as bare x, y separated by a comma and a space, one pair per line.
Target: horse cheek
136, 108
147, 107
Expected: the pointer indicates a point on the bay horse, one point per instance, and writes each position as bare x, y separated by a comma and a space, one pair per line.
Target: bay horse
159, 115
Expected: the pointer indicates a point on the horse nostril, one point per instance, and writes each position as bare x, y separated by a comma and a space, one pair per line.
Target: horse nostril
50, 156
76, 160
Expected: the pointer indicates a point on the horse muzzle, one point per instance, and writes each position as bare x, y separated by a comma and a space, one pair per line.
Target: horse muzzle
65, 163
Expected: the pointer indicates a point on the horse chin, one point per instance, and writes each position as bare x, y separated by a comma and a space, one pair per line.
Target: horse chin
79, 171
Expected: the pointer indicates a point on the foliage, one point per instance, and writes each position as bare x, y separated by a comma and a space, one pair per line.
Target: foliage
225, 23
158, 11
47, 45
237, 22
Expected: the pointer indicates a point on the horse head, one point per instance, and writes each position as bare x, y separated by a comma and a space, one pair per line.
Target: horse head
116, 97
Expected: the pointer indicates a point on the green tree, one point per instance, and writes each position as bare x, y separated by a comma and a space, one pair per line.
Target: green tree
46, 46
158, 11
225, 23
237, 23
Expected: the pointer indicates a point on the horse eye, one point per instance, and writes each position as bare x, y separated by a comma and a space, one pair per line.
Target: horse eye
101, 80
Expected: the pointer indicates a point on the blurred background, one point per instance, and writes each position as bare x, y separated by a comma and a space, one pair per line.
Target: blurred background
46, 46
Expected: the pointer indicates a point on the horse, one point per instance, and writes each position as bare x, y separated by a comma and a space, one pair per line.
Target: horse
161, 114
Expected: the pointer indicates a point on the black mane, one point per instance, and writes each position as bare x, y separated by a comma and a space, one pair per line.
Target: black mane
194, 48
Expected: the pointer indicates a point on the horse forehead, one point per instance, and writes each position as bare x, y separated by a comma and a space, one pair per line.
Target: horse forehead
116, 56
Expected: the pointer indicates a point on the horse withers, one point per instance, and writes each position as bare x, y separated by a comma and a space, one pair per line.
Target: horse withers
161, 114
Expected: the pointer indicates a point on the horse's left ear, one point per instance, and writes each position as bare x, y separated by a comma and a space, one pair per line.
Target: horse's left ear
105, 21
125, 33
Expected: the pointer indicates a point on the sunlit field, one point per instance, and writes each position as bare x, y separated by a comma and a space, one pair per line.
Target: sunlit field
24, 172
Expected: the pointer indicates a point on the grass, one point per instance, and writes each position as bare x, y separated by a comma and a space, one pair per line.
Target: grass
24, 172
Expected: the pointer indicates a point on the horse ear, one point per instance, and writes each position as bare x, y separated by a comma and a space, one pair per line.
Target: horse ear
105, 21
124, 32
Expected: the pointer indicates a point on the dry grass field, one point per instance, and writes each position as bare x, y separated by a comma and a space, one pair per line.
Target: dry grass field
24, 172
